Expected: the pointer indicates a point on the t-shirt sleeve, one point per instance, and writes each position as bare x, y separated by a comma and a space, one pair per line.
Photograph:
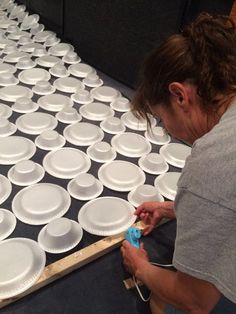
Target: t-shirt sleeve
205, 244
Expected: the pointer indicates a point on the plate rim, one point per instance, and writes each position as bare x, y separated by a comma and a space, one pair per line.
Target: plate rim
120, 189
33, 221
127, 154
35, 277
106, 233
55, 174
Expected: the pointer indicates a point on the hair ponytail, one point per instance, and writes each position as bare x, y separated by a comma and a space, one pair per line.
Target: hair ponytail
204, 53
212, 44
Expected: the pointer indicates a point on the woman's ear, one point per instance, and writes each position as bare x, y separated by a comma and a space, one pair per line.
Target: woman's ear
180, 96
177, 90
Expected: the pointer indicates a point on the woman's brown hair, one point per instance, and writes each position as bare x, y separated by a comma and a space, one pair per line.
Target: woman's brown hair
204, 53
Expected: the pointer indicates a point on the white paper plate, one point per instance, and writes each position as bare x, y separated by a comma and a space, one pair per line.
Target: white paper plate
136, 124
25, 40
157, 135
166, 184
22, 65
40, 52
50, 140
8, 49
36, 28
4, 42
60, 71
14, 149
48, 61
12, 93
26, 172
106, 216
29, 21
175, 154
71, 57
32, 76
60, 49
131, 144
7, 223
40, 203
2, 13
66, 163
5, 111
51, 41
83, 134
121, 104
14, 57
6, 5
112, 125
60, 235
5, 188
25, 107
96, 111
55, 102
7, 79
42, 36
85, 187
121, 175
22, 262
5, 22
43, 88
153, 163
16, 10
92, 80
30, 47
101, 152
144, 193
36, 122
21, 16
68, 115
6, 127
68, 84
7, 68
105, 93
80, 69
17, 35
82, 97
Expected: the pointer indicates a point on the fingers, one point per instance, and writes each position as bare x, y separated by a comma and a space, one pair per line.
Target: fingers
147, 230
142, 246
148, 207
125, 244
145, 217
139, 209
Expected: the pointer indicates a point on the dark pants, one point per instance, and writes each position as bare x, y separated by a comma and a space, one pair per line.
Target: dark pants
224, 306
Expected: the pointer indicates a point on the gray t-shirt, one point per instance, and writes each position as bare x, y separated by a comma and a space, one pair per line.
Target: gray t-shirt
205, 208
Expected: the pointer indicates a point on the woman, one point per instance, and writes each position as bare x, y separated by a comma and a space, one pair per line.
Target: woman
189, 82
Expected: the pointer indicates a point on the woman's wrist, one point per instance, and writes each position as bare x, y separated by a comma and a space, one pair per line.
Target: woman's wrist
168, 210
141, 270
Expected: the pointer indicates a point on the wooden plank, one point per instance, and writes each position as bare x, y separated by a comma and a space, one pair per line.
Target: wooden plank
72, 262
129, 283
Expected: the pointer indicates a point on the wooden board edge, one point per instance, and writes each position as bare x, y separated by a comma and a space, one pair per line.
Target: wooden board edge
129, 283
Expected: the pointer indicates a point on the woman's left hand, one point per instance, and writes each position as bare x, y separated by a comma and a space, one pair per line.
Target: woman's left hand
133, 258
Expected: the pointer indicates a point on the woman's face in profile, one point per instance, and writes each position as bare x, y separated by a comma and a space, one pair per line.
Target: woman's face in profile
183, 119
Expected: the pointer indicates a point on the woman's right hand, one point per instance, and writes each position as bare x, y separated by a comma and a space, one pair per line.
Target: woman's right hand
152, 212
